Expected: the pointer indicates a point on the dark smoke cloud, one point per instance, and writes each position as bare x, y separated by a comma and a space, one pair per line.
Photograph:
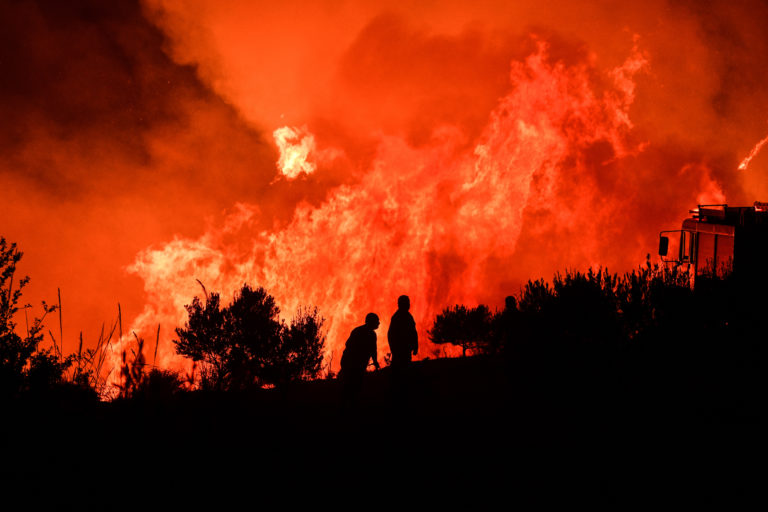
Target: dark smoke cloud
109, 146
90, 79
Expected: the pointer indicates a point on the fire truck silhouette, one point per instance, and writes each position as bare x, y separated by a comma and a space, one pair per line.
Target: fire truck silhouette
721, 240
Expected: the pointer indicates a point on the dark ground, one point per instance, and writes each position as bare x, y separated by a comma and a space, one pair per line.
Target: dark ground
467, 431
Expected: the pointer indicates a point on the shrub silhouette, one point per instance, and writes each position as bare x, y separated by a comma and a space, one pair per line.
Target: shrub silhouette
649, 335
204, 339
583, 337
299, 353
245, 344
22, 365
132, 369
599, 307
253, 337
46, 371
466, 327
159, 384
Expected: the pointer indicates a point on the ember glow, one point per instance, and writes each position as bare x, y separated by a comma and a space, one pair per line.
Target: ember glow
295, 146
745, 163
341, 155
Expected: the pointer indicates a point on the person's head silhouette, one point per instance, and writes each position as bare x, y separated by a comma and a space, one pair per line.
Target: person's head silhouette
404, 303
372, 320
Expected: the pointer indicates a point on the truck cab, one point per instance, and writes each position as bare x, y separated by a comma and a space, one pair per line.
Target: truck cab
719, 241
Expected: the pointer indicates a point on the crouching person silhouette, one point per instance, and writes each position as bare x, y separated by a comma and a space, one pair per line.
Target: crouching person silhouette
359, 349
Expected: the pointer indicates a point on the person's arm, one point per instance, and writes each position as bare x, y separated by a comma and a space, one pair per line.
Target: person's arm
415, 337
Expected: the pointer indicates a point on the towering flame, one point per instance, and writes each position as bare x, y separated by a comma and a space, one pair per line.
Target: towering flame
438, 222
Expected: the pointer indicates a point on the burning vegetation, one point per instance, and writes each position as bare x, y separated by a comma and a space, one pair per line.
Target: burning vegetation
343, 157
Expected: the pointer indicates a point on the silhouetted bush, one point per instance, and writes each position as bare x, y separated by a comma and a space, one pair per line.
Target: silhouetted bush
466, 327
204, 339
598, 307
138, 383
46, 370
132, 369
159, 384
648, 334
299, 353
22, 365
578, 306
245, 344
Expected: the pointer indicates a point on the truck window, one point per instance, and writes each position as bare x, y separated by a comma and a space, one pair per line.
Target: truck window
686, 247
724, 256
705, 254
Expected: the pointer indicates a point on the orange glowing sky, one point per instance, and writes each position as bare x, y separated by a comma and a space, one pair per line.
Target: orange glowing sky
343, 153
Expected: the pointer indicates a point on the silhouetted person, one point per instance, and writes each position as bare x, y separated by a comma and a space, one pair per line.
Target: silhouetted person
402, 336
403, 342
359, 349
509, 321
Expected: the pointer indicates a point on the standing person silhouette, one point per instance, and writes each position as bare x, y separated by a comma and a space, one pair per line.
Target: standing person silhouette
402, 336
509, 320
359, 349
403, 342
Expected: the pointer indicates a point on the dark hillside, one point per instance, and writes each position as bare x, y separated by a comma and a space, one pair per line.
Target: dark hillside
464, 423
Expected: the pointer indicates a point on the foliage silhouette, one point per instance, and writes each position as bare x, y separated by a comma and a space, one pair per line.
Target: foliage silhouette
299, 354
159, 384
649, 336
132, 369
22, 365
205, 340
601, 307
462, 326
46, 371
245, 344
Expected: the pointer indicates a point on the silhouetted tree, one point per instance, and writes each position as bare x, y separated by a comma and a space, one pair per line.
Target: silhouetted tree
20, 361
245, 343
299, 354
204, 339
253, 334
466, 327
